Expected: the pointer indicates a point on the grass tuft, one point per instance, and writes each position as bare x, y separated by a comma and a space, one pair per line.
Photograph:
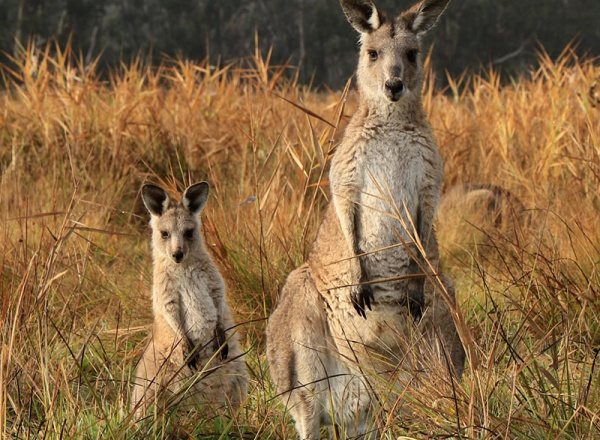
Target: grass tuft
74, 242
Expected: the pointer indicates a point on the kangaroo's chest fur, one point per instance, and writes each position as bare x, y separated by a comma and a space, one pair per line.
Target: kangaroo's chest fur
391, 172
190, 287
396, 176
388, 188
198, 311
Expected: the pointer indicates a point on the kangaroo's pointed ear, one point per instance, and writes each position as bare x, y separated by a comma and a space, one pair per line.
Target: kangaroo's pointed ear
424, 15
195, 197
362, 14
156, 199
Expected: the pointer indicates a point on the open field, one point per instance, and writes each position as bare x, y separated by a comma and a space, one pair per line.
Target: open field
75, 274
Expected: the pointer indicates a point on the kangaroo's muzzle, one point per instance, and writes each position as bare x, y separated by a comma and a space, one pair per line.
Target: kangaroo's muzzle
177, 256
394, 88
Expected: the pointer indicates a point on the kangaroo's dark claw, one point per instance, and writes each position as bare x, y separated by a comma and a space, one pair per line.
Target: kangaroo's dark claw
224, 351
362, 295
221, 341
416, 303
191, 354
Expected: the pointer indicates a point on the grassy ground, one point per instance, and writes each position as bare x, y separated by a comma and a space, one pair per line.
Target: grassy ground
75, 259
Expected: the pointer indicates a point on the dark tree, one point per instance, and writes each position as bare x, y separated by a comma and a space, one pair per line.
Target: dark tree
311, 34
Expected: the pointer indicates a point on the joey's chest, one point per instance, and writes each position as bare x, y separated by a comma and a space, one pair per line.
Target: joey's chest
190, 288
194, 289
198, 312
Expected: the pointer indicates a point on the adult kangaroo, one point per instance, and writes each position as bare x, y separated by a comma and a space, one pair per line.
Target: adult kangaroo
367, 296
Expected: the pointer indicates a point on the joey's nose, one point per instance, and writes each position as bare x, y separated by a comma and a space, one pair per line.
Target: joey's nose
177, 256
394, 88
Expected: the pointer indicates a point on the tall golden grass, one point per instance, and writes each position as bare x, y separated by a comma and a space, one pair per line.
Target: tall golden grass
74, 243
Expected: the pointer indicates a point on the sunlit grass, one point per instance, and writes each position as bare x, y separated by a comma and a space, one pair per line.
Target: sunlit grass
74, 244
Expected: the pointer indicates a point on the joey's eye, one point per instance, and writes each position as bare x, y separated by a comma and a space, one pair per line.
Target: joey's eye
411, 55
373, 55
164, 234
189, 234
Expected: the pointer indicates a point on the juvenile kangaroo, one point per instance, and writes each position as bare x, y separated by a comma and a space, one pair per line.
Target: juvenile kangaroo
194, 354
493, 203
481, 216
362, 299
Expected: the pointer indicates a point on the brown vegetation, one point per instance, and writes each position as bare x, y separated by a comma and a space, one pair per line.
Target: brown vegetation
75, 262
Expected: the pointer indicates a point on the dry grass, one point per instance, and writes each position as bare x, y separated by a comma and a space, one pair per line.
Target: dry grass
74, 242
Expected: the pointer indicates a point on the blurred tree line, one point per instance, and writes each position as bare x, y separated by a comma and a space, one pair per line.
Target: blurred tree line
310, 33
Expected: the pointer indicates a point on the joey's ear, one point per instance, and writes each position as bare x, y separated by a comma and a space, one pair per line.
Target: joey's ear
155, 198
362, 15
195, 197
423, 16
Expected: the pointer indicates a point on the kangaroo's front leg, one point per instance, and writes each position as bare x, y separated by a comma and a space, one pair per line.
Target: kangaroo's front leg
166, 302
218, 296
361, 294
425, 215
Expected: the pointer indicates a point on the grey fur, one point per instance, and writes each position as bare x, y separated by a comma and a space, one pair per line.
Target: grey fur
337, 322
193, 356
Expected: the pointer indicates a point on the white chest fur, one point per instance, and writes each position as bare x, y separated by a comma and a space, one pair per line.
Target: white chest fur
198, 311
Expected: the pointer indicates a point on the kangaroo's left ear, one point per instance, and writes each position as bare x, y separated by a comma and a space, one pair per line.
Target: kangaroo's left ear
155, 199
424, 15
362, 15
195, 197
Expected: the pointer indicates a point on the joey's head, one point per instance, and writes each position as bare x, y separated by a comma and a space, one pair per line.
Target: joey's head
390, 67
175, 226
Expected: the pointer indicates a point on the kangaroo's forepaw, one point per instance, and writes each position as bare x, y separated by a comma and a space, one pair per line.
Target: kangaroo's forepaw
362, 295
193, 363
416, 301
191, 355
221, 341
224, 351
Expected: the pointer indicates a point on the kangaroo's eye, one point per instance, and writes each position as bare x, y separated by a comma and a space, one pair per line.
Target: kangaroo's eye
411, 55
189, 234
373, 55
164, 234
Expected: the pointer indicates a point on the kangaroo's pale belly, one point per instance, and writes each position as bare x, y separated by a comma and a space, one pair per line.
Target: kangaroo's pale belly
387, 212
198, 311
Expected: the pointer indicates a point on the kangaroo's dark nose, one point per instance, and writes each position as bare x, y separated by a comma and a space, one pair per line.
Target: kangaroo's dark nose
394, 87
178, 256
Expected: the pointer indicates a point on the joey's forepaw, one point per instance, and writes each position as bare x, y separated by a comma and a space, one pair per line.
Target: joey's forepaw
191, 355
224, 351
193, 362
221, 341
361, 296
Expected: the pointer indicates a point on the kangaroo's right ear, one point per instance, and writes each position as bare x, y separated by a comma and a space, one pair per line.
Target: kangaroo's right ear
362, 15
423, 16
155, 198
195, 197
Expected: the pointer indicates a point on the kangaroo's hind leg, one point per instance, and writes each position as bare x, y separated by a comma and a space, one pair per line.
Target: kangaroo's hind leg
298, 347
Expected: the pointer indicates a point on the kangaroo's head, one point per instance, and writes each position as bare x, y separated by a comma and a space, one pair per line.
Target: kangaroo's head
175, 226
390, 67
